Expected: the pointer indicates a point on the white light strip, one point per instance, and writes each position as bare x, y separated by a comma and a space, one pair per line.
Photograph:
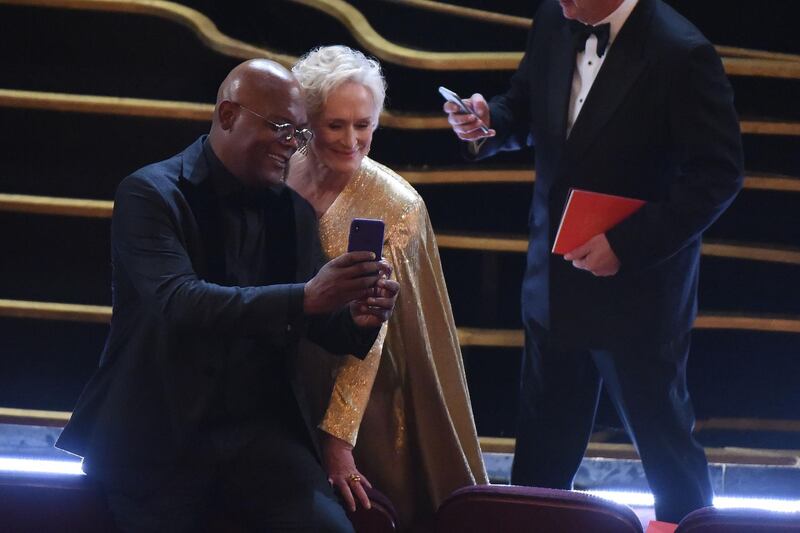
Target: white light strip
645, 499
40, 466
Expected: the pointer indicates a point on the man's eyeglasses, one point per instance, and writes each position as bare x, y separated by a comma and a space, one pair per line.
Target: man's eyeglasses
286, 131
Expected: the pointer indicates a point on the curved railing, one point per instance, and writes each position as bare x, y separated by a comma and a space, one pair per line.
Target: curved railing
171, 109
737, 61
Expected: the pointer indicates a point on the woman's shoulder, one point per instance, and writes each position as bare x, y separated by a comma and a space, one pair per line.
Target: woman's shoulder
400, 195
396, 201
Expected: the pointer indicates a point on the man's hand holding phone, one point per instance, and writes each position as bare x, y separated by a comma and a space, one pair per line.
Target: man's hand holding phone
376, 308
344, 279
469, 118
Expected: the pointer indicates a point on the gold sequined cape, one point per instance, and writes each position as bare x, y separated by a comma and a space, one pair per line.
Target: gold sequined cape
405, 406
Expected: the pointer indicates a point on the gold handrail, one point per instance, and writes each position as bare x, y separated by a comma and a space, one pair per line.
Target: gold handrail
107, 105
36, 417
502, 338
514, 338
51, 205
741, 62
33, 417
55, 311
514, 21
116, 105
764, 182
519, 244
46, 205
603, 450
482, 15
365, 34
203, 27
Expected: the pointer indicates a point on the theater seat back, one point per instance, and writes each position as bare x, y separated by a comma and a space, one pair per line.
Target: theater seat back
381, 518
511, 509
47, 502
713, 520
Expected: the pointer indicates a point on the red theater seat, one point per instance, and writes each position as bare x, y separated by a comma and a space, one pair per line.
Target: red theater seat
713, 520
380, 518
511, 509
51, 502
37, 503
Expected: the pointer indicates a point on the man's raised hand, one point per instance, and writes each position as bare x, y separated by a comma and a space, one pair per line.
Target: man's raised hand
349, 277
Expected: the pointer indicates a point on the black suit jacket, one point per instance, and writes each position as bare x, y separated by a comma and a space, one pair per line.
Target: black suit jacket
658, 124
157, 374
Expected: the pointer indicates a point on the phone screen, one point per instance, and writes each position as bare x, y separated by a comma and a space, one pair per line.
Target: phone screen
451, 96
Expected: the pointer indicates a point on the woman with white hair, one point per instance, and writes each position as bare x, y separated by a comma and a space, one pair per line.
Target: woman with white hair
407, 402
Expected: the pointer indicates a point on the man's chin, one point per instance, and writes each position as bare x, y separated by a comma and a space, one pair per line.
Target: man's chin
271, 181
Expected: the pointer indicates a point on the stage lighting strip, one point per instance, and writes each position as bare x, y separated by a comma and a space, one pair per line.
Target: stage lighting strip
23, 465
741, 456
645, 499
171, 109
758, 63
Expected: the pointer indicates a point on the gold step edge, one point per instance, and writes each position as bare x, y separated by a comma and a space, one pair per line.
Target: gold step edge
763, 182
171, 109
726, 455
520, 22
44, 205
491, 17
755, 64
361, 30
202, 26
501, 338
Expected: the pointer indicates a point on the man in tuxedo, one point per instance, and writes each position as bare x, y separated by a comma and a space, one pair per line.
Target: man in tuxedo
217, 274
626, 98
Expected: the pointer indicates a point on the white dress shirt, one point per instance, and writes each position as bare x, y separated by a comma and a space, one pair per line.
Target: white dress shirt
588, 63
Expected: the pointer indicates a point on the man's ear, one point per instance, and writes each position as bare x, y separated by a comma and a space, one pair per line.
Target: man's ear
227, 112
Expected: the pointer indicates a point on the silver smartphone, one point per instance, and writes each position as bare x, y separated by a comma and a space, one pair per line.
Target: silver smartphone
451, 96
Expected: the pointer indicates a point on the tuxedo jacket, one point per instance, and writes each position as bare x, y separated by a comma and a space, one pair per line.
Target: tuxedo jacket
164, 354
658, 124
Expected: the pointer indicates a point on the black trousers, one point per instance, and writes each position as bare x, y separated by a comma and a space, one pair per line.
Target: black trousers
264, 477
559, 393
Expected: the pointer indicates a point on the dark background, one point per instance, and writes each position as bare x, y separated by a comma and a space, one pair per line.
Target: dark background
44, 364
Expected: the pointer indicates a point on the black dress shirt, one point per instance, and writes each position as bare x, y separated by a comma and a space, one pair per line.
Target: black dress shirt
253, 244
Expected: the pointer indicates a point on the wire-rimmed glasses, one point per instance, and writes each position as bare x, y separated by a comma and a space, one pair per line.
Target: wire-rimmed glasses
286, 131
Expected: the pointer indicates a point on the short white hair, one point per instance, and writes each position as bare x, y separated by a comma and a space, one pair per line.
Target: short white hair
326, 68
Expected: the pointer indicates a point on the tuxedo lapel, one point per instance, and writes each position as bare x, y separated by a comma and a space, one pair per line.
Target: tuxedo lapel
205, 243
622, 67
560, 82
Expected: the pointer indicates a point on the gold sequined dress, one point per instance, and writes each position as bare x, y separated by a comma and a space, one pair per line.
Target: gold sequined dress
405, 407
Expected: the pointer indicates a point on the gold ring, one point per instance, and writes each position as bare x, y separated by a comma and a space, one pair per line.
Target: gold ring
354, 478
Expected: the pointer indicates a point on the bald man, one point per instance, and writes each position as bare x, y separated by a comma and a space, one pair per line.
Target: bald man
216, 276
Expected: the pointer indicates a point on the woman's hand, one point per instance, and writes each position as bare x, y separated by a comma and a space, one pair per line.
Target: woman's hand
342, 472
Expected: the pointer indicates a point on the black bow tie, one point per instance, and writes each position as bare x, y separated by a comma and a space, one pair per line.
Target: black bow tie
581, 32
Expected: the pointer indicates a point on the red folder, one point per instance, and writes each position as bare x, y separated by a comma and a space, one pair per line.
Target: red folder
661, 527
587, 214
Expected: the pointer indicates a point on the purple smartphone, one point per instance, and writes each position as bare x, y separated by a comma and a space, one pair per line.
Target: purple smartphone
366, 235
